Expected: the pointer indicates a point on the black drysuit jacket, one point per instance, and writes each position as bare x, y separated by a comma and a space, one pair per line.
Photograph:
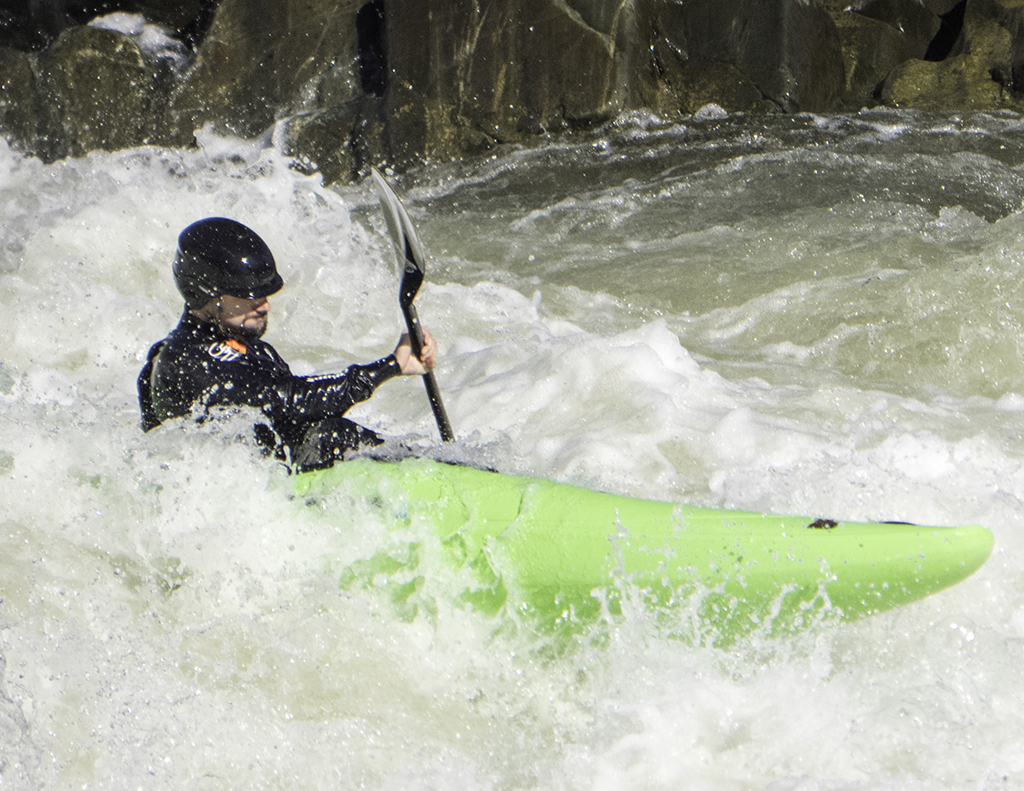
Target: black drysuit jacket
197, 368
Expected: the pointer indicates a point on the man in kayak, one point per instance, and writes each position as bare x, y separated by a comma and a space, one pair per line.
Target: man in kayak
215, 356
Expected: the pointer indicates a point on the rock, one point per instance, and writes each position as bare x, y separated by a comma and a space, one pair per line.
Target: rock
871, 49
509, 70
940, 7
570, 75
31, 26
685, 85
465, 75
332, 141
263, 59
96, 91
18, 107
360, 82
977, 75
917, 23
750, 54
960, 83
1009, 14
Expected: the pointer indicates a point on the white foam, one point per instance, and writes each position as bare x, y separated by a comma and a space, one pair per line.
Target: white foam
155, 40
171, 618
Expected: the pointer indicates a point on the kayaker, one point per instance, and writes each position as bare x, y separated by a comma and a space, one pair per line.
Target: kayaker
215, 357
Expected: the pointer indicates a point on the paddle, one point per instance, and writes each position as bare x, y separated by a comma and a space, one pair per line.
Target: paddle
410, 261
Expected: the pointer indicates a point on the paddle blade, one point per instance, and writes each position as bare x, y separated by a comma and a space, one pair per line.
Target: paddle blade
403, 234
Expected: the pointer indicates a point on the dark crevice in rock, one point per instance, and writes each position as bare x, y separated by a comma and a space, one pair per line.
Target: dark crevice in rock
373, 58
952, 25
28, 29
193, 33
999, 76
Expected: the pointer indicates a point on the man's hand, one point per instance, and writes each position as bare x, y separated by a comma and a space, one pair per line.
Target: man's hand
407, 360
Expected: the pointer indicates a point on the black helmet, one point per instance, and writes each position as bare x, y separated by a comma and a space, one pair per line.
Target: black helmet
217, 256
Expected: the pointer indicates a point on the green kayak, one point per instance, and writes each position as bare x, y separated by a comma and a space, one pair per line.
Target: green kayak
560, 558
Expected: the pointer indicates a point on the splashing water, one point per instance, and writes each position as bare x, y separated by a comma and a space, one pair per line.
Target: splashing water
809, 315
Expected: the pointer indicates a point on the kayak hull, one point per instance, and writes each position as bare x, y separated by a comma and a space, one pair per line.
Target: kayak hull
562, 558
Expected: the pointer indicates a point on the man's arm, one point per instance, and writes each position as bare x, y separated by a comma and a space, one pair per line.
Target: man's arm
315, 397
217, 375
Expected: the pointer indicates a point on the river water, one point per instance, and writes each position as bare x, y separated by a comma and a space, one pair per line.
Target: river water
813, 315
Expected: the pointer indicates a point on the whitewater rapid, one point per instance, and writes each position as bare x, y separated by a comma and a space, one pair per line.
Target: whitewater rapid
815, 315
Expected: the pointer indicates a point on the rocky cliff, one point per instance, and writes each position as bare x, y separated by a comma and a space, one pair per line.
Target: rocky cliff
349, 83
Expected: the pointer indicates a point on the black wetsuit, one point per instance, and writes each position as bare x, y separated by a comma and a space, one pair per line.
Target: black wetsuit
197, 368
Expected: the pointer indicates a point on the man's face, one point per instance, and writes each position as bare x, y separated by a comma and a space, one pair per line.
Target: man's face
242, 318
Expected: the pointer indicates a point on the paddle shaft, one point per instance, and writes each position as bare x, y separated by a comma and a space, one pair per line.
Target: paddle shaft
412, 321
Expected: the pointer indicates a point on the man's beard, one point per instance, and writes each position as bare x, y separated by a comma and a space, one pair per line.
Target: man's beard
245, 332
254, 333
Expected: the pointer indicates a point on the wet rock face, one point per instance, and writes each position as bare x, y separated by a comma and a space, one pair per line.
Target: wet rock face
96, 90
975, 70
262, 59
749, 55
17, 94
500, 71
509, 69
914, 20
350, 83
